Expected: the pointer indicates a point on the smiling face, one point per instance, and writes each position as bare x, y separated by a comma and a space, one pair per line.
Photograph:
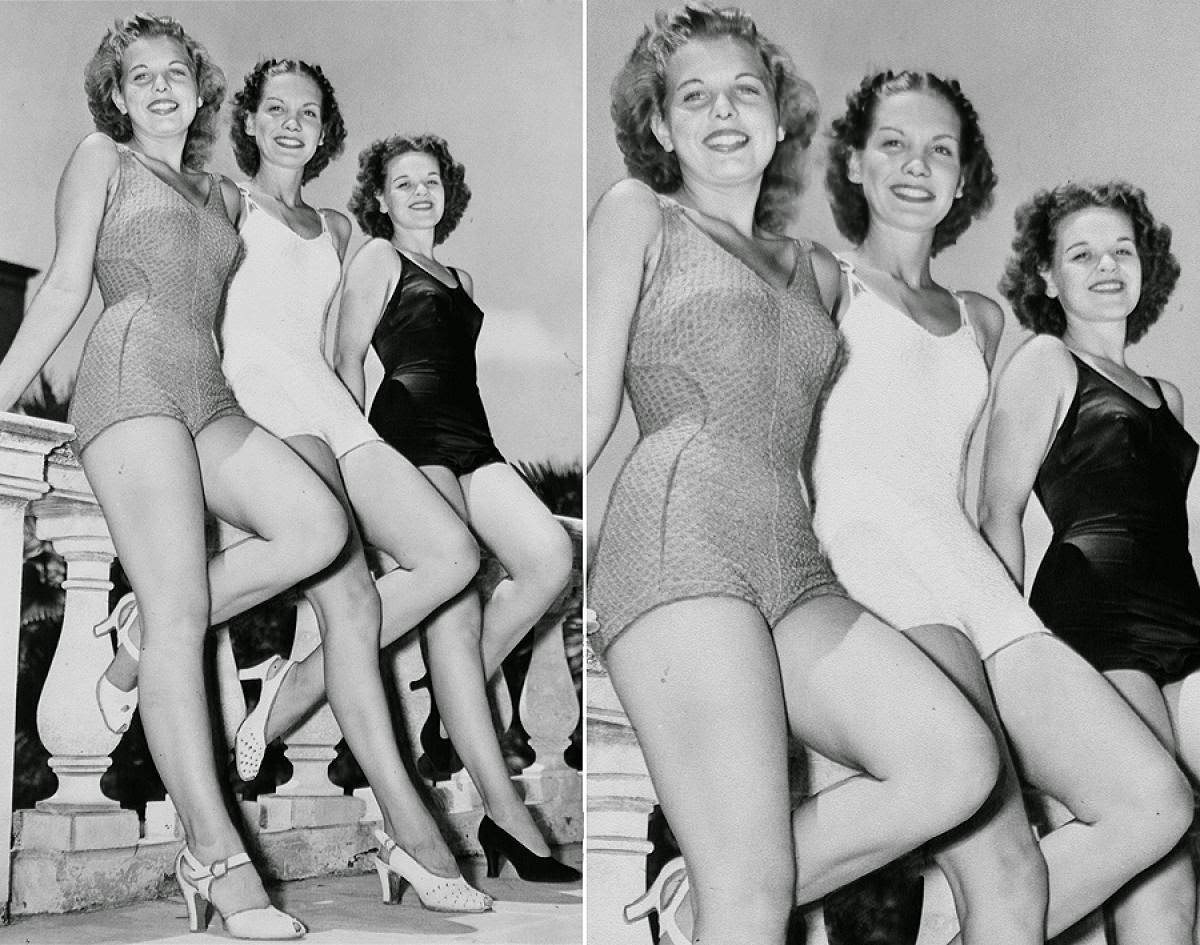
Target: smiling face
719, 114
1095, 271
910, 166
158, 88
412, 193
287, 125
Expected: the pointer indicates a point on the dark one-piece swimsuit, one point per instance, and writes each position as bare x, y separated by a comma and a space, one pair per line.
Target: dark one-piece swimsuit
428, 406
1117, 582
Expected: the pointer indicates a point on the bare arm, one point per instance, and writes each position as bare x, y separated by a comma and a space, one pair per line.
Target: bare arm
365, 290
623, 226
1032, 396
54, 309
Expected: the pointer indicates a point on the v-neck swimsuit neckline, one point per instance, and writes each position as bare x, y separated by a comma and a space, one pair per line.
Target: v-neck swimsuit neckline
686, 213
446, 285
1132, 396
250, 198
963, 321
212, 184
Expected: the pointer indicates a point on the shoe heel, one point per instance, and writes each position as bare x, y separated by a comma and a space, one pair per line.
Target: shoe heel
389, 883
199, 910
495, 859
642, 906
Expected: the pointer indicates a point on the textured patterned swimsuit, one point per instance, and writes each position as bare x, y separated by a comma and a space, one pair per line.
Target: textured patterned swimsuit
724, 372
161, 263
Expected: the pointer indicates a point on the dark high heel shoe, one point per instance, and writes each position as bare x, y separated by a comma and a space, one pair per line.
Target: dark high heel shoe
440, 761
498, 843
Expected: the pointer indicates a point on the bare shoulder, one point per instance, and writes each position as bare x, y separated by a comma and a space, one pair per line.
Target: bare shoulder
628, 205
1041, 361
985, 314
339, 226
375, 254
231, 196
827, 270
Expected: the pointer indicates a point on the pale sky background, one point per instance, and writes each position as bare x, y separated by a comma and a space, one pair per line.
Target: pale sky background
1064, 91
500, 81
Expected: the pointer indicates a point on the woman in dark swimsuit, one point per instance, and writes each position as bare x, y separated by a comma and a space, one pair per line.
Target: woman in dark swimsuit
1106, 453
423, 322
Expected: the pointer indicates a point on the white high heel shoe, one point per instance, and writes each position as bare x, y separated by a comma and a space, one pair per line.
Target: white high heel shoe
263, 923
665, 896
117, 705
250, 742
437, 893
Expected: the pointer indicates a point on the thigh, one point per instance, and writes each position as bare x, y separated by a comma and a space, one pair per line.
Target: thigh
1182, 700
1073, 735
399, 510
699, 681
257, 483
862, 694
146, 477
512, 521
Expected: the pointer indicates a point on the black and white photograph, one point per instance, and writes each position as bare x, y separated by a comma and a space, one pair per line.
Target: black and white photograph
292, 360
894, 631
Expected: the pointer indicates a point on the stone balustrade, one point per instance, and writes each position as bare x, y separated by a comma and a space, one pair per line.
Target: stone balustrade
80, 849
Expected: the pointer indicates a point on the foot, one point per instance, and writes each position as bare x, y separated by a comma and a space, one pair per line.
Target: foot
236, 891
430, 850
122, 672
520, 826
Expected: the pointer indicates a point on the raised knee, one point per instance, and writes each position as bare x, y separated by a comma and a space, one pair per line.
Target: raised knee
962, 775
319, 535
454, 558
1161, 812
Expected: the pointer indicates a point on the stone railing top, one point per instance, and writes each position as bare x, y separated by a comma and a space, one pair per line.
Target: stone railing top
25, 443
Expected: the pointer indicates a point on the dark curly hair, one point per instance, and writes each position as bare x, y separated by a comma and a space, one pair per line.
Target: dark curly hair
372, 166
103, 74
849, 133
1033, 249
246, 102
639, 92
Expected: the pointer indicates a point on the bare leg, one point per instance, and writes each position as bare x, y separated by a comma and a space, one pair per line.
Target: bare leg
992, 863
401, 513
524, 536
699, 680
155, 513
1075, 738
861, 694
534, 549
1159, 906
347, 610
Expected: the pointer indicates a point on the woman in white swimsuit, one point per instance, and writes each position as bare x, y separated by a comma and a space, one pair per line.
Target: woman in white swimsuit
908, 171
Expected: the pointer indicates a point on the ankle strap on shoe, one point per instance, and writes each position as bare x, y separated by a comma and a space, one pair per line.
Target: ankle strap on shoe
221, 867
386, 844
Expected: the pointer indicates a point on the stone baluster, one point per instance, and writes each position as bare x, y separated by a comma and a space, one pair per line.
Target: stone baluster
620, 798
309, 798
78, 816
24, 446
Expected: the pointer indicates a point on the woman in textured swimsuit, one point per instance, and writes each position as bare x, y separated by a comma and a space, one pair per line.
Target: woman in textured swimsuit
1107, 455
159, 433
908, 171
423, 322
721, 624
286, 129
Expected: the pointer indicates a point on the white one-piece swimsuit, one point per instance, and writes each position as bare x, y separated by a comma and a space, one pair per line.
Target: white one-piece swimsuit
273, 334
889, 472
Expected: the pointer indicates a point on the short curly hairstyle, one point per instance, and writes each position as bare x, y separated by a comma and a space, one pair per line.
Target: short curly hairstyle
1033, 250
103, 74
372, 166
246, 102
639, 93
849, 133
